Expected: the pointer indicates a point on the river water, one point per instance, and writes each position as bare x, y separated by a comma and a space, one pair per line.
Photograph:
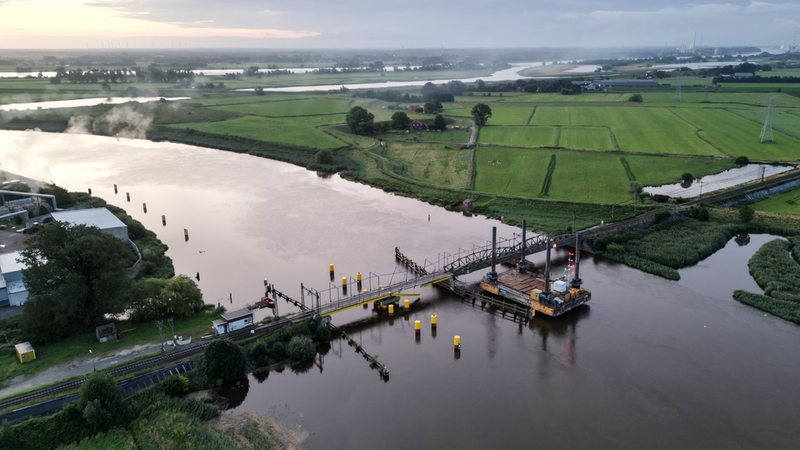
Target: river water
650, 363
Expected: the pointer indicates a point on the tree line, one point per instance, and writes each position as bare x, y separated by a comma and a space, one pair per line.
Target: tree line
150, 74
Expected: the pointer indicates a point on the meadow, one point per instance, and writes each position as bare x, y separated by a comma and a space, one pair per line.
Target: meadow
586, 148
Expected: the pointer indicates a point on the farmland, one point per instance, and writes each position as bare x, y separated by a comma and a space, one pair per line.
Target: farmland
586, 148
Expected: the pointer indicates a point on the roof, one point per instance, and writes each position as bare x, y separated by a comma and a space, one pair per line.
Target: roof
23, 347
9, 263
238, 314
101, 218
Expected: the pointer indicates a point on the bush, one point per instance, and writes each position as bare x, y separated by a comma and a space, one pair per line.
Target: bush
323, 335
301, 349
278, 351
225, 362
259, 354
175, 386
636, 98
101, 401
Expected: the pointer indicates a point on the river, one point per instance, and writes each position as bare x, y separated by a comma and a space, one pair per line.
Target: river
650, 363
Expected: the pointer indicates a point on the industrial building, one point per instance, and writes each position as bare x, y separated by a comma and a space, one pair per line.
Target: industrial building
101, 218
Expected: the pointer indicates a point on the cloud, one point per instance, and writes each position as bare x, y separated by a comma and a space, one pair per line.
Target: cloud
412, 23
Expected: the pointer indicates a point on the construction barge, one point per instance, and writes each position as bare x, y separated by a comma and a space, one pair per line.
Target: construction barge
527, 288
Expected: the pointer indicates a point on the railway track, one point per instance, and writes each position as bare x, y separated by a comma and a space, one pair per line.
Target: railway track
150, 362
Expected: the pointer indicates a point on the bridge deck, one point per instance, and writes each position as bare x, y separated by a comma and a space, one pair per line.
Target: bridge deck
378, 294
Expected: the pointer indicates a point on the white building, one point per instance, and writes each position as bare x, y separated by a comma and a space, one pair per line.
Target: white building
12, 289
101, 218
232, 321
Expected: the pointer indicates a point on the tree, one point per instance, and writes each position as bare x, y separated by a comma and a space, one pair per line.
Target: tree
400, 120
63, 197
481, 113
746, 213
301, 349
173, 297
360, 121
101, 401
432, 107
635, 98
75, 276
439, 123
456, 87
225, 362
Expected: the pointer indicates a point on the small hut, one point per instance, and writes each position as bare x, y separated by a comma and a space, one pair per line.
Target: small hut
106, 333
25, 352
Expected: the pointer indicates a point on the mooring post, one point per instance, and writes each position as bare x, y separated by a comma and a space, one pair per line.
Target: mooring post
523, 263
494, 251
547, 268
576, 279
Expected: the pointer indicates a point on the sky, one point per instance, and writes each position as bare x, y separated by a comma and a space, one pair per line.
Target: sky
395, 24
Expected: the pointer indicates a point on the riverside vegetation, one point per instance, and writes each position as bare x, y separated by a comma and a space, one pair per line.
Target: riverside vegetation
549, 152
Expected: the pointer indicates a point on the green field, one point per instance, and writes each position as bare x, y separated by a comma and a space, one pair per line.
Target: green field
432, 163
300, 107
521, 136
601, 141
736, 136
784, 203
288, 131
636, 129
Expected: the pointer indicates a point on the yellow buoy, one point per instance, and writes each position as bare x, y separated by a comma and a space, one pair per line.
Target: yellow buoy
417, 326
433, 319
344, 281
358, 276
391, 309
405, 304
457, 342
330, 269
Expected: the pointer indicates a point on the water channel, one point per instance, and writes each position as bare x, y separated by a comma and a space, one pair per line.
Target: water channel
650, 363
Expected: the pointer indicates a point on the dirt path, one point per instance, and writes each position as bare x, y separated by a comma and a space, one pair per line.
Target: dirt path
76, 367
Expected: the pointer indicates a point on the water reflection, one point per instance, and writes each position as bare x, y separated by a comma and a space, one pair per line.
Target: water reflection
232, 395
722, 180
648, 346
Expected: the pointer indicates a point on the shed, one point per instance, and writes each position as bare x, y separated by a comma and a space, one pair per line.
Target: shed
232, 321
106, 333
12, 289
101, 218
25, 352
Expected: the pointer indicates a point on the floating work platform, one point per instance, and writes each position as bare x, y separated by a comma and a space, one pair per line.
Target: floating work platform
531, 291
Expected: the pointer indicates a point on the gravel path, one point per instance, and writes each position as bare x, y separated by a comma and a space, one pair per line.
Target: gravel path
76, 367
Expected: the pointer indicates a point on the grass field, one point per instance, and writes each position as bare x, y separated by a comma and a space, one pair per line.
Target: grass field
594, 136
736, 136
289, 131
433, 164
784, 203
520, 136
78, 346
636, 129
587, 138
301, 107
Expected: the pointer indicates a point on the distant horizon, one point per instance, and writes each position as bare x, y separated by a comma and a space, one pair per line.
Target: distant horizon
361, 24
